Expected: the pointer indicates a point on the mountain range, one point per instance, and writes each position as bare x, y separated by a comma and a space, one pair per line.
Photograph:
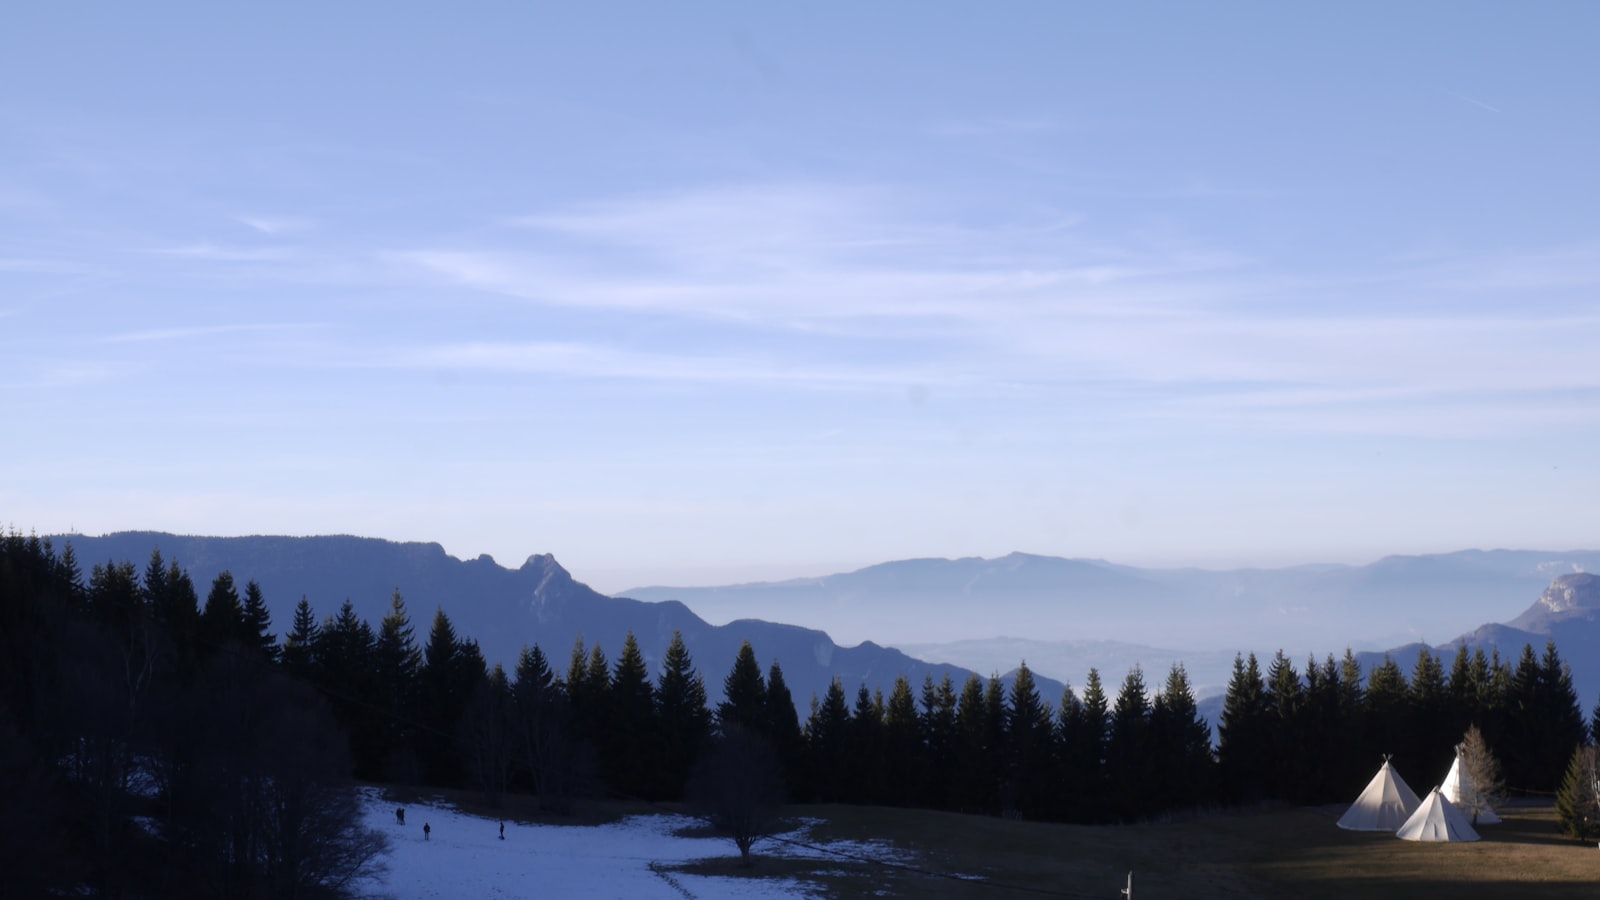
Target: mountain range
1075, 613
1392, 601
506, 609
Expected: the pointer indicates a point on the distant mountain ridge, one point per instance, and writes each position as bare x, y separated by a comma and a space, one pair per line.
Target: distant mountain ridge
925, 601
505, 609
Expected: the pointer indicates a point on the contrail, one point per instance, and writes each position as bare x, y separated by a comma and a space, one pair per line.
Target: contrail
1478, 103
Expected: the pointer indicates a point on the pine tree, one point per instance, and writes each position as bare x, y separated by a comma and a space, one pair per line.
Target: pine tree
1029, 775
828, 744
546, 745
1285, 701
222, 619
1388, 729
171, 598
1351, 771
973, 784
685, 719
1578, 798
1096, 732
1076, 800
1430, 719
343, 668
1463, 692
745, 693
1244, 748
1523, 727
1561, 717
299, 647
488, 732
783, 729
1322, 733
632, 729
1128, 756
938, 720
444, 684
902, 748
866, 747
397, 666
1181, 745
256, 625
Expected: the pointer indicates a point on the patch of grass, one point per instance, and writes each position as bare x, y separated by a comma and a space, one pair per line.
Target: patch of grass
1263, 853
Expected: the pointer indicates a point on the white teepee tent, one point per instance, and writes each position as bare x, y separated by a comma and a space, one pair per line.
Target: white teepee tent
1383, 806
1459, 789
1437, 819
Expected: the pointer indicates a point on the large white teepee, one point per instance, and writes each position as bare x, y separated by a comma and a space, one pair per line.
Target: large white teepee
1459, 789
1437, 819
1383, 806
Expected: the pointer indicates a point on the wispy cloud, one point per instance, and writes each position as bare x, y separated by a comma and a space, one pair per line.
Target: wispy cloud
785, 254
223, 253
276, 225
607, 361
194, 331
1045, 304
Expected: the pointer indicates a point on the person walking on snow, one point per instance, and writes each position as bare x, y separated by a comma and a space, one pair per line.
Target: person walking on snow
427, 831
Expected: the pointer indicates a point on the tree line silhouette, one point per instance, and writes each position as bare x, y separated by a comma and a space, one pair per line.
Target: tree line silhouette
125, 700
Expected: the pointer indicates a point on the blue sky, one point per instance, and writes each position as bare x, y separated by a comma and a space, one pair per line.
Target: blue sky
703, 293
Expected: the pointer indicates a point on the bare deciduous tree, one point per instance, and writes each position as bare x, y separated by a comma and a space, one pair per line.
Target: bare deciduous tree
736, 787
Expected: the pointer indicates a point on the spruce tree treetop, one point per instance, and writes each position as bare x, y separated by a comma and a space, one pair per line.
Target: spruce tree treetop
746, 694
256, 628
680, 689
1027, 713
630, 683
1285, 692
681, 694
443, 645
829, 718
783, 720
577, 667
533, 673
598, 678
223, 616
301, 643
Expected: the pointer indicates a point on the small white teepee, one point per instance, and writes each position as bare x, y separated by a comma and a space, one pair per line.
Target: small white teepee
1459, 789
1385, 804
1437, 819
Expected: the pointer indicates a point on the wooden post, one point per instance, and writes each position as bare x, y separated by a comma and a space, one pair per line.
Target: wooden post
1128, 891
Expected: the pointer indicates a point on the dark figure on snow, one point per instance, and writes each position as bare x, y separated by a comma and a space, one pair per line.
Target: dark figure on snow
399, 815
427, 831
502, 830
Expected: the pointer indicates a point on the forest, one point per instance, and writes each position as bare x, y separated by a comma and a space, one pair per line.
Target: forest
152, 742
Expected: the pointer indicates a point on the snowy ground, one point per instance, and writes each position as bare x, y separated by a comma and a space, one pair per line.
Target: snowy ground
464, 857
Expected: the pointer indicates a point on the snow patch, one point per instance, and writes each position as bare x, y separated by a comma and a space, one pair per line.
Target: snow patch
463, 856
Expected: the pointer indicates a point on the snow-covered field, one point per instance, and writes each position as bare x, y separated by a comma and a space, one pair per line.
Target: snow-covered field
464, 857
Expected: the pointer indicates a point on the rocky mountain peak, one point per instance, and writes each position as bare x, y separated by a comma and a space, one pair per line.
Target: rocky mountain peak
1576, 590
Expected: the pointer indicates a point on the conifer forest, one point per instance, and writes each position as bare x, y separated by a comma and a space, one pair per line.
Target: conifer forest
158, 736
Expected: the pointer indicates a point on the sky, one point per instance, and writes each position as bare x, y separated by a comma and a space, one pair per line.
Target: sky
704, 293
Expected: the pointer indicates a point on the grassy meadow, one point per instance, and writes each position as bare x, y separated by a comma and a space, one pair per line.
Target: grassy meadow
1276, 853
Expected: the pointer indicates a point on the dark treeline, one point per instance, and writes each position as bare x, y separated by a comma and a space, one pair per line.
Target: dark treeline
152, 746
124, 695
